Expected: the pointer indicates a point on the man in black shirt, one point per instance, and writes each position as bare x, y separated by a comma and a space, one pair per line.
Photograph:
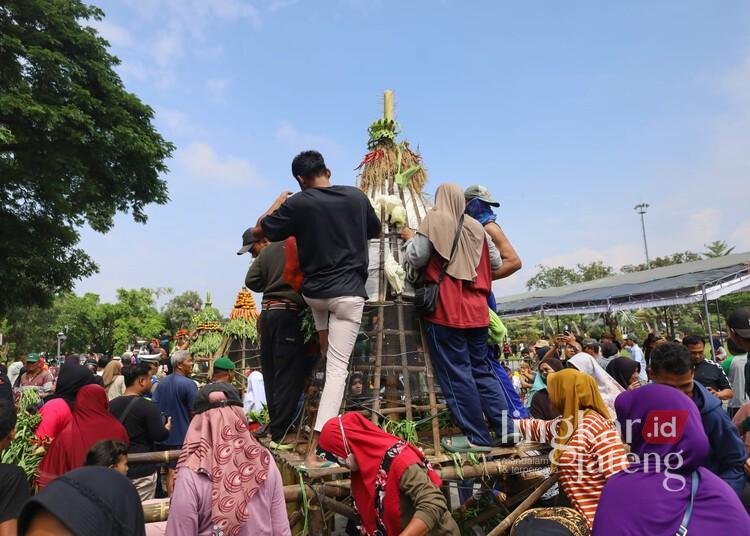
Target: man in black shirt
143, 422
708, 373
15, 488
332, 225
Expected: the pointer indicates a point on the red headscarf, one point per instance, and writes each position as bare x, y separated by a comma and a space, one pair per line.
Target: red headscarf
91, 422
219, 445
368, 444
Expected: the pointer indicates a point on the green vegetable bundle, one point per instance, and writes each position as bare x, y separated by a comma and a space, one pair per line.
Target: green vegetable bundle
261, 417
308, 327
26, 451
207, 344
239, 328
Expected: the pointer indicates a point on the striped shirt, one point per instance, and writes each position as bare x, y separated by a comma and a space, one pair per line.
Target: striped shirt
593, 454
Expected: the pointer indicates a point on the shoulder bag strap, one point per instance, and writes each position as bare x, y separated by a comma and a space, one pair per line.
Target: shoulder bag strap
682, 531
127, 409
453, 248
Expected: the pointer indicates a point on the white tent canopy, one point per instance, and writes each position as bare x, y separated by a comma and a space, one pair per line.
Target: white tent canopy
678, 284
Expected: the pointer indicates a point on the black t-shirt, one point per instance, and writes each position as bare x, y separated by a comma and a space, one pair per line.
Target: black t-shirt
332, 226
711, 375
13, 492
144, 426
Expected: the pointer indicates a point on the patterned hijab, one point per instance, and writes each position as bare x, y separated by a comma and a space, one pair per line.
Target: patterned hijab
219, 445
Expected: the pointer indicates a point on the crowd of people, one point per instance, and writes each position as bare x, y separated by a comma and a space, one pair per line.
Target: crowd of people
661, 428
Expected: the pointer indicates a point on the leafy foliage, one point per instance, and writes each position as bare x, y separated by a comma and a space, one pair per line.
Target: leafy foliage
75, 147
179, 311
559, 276
667, 260
717, 248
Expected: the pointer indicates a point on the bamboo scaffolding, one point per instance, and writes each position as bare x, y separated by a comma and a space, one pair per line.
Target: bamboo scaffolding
525, 505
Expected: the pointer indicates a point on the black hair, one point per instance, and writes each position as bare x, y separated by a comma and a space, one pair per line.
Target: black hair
609, 349
591, 344
8, 418
693, 339
102, 362
671, 357
105, 453
734, 348
308, 165
132, 372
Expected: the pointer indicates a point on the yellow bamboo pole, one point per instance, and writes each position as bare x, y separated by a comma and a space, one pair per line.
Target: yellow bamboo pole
388, 112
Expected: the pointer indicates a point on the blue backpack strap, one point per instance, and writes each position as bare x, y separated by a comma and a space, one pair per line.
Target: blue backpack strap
695, 480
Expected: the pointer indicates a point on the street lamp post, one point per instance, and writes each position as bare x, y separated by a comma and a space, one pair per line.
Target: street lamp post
641, 209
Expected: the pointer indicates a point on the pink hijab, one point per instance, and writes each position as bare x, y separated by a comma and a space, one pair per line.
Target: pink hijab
219, 445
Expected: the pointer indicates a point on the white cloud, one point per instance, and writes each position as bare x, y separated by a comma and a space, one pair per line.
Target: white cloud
740, 237
177, 122
116, 35
277, 5
287, 134
703, 226
201, 161
216, 88
167, 47
132, 70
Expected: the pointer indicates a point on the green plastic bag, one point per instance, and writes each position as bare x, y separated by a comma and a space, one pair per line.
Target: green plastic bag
497, 332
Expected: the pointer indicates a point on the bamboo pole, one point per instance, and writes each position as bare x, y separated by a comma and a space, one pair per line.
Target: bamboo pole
525, 505
159, 456
430, 388
495, 467
388, 108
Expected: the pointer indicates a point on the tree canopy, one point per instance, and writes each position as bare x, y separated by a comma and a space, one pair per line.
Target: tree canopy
559, 276
75, 147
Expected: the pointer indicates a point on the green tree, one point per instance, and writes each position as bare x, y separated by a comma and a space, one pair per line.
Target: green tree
559, 276
135, 317
75, 147
179, 310
717, 248
667, 260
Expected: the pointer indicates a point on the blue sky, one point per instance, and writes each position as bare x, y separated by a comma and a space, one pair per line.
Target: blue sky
570, 112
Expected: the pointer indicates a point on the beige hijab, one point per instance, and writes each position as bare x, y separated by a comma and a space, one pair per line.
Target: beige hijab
439, 225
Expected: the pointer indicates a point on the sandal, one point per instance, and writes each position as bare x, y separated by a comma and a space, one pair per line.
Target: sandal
324, 465
461, 444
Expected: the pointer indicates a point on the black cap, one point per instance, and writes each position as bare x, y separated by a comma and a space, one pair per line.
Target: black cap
247, 241
739, 321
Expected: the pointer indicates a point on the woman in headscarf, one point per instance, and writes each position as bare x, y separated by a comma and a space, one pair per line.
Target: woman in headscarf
226, 483
394, 488
114, 381
91, 421
658, 482
586, 448
88, 501
457, 330
608, 387
57, 409
540, 406
626, 372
